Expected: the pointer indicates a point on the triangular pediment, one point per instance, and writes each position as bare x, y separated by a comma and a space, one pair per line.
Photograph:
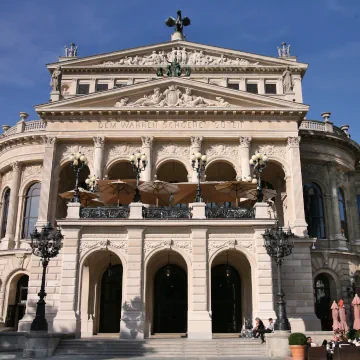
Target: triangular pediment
172, 93
187, 53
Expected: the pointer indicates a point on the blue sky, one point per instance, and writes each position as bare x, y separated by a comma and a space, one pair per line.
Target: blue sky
323, 33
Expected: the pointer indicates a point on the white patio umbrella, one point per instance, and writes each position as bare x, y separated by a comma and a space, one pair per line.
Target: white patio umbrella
86, 197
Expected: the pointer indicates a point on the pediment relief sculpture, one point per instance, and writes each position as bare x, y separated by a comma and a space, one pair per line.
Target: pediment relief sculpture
183, 56
172, 97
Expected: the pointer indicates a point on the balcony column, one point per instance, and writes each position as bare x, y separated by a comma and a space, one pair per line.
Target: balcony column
146, 148
337, 234
195, 147
294, 188
8, 242
245, 156
99, 146
47, 181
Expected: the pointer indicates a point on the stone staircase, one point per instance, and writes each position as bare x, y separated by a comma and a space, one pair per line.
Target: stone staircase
161, 347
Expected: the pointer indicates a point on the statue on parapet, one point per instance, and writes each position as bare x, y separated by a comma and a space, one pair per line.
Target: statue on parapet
288, 81
56, 78
72, 51
284, 50
178, 23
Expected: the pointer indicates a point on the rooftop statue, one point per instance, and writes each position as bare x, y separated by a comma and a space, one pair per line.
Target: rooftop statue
178, 23
288, 81
72, 51
284, 50
56, 78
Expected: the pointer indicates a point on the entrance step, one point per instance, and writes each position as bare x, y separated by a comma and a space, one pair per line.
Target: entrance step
160, 347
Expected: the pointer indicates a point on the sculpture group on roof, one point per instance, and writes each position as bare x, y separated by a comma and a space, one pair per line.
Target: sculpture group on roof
182, 55
172, 97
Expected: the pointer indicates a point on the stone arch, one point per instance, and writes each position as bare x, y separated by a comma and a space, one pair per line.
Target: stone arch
118, 162
227, 160
9, 282
332, 275
244, 263
92, 265
178, 159
155, 260
172, 171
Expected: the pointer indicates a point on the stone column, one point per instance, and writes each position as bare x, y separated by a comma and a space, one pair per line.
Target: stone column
295, 188
245, 156
8, 242
66, 318
47, 180
337, 234
132, 315
99, 146
195, 147
353, 207
147, 142
199, 320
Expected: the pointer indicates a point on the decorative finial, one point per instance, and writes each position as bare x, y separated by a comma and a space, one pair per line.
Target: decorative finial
72, 51
179, 24
284, 50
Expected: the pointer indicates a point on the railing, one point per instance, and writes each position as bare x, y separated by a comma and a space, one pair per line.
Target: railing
229, 213
339, 132
34, 125
167, 213
11, 131
121, 212
312, 125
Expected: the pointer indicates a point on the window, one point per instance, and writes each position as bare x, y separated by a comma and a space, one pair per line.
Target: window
120, 85
342, 208
252, 88
314, 210
323, 301
233, 86
31, 210
101, 87
83, 89
6, 202
270, 88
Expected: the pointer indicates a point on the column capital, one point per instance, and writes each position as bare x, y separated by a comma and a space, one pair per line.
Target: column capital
293, 141
49, 140
147, 141
16, 166
99, 141
196, 141
245, 141
331, 166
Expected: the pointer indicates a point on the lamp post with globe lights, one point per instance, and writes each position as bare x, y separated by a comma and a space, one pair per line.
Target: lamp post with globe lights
45, 244
78, 162
138, 163
198, 163
91, 182
279, 244
258, 162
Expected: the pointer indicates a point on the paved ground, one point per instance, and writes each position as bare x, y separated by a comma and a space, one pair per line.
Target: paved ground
18, 355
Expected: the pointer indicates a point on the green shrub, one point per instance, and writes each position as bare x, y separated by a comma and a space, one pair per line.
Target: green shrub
353, 334
297, 339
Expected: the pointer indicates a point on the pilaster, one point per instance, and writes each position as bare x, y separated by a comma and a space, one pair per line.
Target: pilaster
261, 86
132, 317
244, 150
99, 146
242, 84
295, 191
47, 181
8, 242
199, 319
146, 148
353, 207
195, 147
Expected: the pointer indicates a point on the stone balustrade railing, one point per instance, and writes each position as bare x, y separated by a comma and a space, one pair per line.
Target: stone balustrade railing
21, 127
322, 126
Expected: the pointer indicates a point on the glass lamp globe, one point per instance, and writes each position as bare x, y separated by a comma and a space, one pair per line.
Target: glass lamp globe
198, 155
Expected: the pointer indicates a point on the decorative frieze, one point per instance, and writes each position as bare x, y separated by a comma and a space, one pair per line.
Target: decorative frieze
271, 149
213, 150
122, 150
66, 151
183, 245
103, 244
32, 170
313, 172
152, 245
7, 177
172, 150
214, 245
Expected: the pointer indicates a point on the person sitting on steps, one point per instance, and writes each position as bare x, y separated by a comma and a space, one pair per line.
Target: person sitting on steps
259, 330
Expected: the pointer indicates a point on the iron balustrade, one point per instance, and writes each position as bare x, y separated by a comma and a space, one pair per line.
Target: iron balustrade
230, 213
167, 213
121, 212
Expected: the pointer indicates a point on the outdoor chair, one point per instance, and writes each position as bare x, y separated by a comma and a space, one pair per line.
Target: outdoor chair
347, 353
317, 353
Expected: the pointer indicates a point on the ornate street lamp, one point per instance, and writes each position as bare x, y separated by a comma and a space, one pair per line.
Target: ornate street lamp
46, 245
258, 162
198, 163
78, 162
278, 245
138, 163
91, 182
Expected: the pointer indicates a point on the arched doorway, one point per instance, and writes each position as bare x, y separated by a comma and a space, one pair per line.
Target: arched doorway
220, 171
121, 170
18, 293
170, 295
226, 299
231, 291
323, 291
111, 299
172, 171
